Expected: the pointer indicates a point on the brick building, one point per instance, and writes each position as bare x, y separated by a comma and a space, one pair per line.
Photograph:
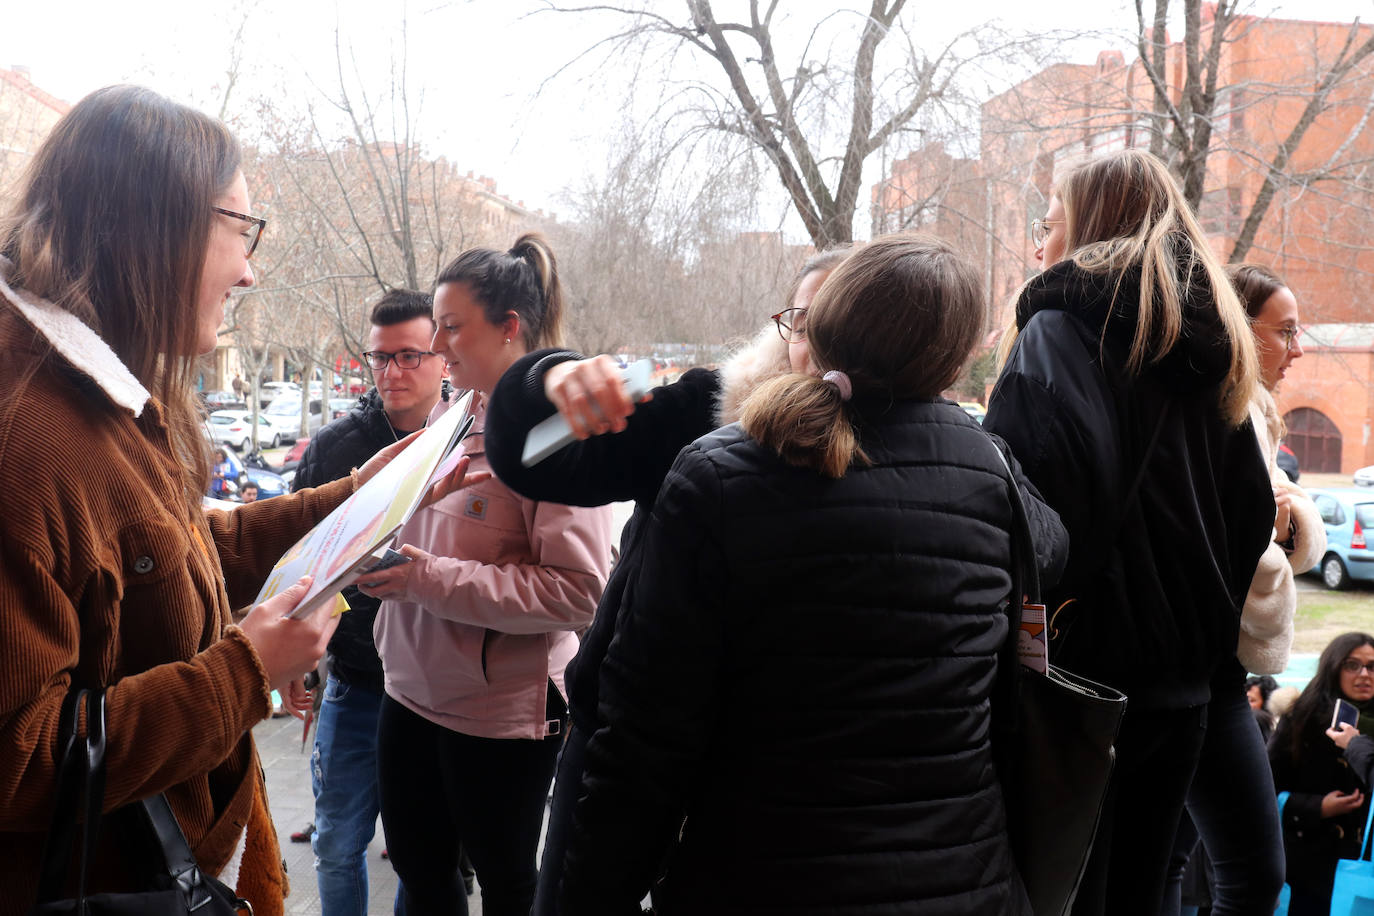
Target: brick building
27, 113
1317, 233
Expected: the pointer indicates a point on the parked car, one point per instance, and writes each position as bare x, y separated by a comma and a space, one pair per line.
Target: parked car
270, 391
268, 484
340, 406
974, 409
285, 413
1348, 515
1364, 477
235, 428
223, 400
1288, 462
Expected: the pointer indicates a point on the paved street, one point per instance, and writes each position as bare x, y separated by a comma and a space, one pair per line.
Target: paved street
288, 790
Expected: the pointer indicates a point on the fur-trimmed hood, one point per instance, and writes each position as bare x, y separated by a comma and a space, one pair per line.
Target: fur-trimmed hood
763, 358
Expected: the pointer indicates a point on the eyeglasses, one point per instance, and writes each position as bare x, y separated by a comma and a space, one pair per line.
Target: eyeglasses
252, 234
1355, 666
406, 359
1289, 333
1040, 230
791, 324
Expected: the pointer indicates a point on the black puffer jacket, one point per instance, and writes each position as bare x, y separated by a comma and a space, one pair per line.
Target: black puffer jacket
803, 668
1160, 582
334, 451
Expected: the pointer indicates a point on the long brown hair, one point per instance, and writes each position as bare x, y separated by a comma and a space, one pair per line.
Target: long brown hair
1124, 210
1312, 709
112, 224
899, 316
523, 280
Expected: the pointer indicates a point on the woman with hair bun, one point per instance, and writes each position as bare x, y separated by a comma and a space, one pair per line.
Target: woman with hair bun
804, 661
475, 631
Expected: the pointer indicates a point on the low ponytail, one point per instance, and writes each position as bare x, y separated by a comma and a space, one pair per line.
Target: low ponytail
806, 421
534, 250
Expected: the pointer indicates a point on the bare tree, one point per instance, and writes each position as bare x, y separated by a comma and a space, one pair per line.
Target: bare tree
859, 80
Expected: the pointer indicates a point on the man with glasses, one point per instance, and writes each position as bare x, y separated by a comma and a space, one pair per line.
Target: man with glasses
408, 381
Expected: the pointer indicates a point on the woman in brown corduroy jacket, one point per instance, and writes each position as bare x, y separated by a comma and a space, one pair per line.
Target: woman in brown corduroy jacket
130, 231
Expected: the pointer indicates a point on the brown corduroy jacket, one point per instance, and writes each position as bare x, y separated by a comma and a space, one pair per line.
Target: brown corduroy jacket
106, 581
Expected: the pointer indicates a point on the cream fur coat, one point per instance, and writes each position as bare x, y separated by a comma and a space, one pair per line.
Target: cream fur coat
1266, 623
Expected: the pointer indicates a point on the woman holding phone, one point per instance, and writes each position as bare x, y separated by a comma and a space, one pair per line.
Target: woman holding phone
1324, 813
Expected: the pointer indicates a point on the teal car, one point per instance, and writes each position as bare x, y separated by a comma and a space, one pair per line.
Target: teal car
1348, 514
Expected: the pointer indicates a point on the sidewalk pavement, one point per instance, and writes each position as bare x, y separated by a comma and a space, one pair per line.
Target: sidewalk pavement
287, 768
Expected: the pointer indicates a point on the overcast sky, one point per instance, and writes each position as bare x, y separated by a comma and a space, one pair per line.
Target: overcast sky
476, 64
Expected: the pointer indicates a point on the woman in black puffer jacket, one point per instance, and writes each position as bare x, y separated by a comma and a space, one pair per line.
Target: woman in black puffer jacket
804, 660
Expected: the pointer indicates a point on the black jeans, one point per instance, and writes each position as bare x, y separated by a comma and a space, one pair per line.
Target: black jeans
1232, 806
440, 790
566, 786
1156, 752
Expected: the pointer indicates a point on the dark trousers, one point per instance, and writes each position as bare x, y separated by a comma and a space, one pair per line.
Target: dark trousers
1231, 806
441, 790
566, 786
1156, 752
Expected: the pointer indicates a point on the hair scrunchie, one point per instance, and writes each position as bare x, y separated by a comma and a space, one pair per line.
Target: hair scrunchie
840, 381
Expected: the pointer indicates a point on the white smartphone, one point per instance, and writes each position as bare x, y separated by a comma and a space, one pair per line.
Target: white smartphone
550, 435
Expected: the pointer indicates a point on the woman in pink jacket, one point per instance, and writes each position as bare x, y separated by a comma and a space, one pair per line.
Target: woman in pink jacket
475, 631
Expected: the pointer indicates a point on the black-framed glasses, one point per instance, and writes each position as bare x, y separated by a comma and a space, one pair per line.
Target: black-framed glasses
1355, 666
406, 359
791, 324
251, 235
1040, 230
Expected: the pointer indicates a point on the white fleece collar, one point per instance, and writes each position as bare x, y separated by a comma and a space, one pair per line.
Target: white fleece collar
78, 344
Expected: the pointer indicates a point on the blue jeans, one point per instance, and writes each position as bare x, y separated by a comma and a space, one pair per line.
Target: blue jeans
343, 775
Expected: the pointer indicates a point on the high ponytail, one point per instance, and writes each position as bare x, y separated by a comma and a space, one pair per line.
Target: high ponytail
804, 419
523, 280
534, 250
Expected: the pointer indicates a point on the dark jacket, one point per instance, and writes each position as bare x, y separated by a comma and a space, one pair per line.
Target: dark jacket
1312, 843
803, 667
600, 470
1159, 582
334, 451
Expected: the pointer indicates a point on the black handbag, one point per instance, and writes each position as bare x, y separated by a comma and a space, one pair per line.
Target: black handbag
1056, 732
177, 886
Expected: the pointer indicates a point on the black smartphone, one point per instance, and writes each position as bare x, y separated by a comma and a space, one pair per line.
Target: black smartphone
1344, 712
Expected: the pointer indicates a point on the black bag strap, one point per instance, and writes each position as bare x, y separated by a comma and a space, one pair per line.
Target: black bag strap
81, 778
70, 784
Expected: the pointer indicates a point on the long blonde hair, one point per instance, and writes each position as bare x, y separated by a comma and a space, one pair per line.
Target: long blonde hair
1124, 210
899, 317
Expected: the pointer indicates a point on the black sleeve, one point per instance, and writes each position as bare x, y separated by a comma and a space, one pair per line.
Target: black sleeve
1360, 755
1054, 410
620, 466
319, 462
659, 700
1047, 532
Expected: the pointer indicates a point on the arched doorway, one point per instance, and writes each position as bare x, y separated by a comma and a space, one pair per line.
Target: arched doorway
1314, 439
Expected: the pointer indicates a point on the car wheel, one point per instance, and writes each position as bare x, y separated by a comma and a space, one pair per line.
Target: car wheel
1333, 572
245, 446
276, 441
